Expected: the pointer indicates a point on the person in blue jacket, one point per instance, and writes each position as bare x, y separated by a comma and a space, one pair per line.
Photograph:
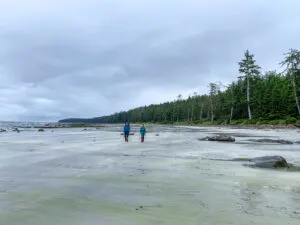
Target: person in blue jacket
126, 131
142, 132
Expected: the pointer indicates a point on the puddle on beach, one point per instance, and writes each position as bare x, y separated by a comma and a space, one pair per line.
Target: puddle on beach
93, 177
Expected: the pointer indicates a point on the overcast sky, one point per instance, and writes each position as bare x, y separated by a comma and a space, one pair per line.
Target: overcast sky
87, 58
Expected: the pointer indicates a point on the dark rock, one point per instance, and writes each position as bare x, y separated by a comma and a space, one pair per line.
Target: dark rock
157, 135
223, 138
240, 159
202, 139
41, 130
2, 130
269, 162
269, 140
140, 207
84, 129
132, 133
16, 130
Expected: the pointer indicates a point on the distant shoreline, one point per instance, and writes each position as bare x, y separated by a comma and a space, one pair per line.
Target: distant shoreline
234, 126
100, 125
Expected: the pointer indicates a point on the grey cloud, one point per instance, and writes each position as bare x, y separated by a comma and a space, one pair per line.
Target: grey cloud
89, 58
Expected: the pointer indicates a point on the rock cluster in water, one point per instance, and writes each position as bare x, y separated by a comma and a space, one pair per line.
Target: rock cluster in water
226, 138
223, 138
268, 140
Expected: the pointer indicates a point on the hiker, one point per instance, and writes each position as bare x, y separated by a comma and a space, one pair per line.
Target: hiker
142, 132
126, 131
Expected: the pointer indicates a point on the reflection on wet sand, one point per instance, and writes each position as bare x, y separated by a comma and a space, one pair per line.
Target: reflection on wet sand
73, 177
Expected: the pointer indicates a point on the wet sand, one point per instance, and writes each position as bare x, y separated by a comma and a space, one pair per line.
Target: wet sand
71, 176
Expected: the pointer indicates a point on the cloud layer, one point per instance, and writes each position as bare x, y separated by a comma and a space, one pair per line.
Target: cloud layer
77, 58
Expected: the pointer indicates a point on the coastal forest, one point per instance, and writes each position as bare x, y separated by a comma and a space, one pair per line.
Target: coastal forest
255, 97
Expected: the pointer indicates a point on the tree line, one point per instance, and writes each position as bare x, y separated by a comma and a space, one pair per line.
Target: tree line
255, 97
103, 119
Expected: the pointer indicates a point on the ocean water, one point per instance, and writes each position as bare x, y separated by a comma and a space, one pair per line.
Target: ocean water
71, 176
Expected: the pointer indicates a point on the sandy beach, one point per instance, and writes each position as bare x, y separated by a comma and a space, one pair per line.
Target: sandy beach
70, 176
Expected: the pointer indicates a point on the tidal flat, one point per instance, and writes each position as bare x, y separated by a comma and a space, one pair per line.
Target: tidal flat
71, 177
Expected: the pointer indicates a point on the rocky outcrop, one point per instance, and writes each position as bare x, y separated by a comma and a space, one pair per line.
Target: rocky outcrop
268, 162
41, 130
3, 130
269, 140
223, 138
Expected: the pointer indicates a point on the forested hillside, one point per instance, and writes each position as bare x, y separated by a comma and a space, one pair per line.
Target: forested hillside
103, 119
255, 97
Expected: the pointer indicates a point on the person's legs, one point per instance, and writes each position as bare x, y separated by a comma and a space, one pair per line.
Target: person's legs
142, 138
126, 134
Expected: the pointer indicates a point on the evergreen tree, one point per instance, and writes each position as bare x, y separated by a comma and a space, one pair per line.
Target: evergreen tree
292, 63
250, 69
269, 96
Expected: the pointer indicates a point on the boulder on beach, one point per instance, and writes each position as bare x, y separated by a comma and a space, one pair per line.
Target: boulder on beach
223, 138
16, 130
268, 162
2, 130
269, 140
41, 130
157, 135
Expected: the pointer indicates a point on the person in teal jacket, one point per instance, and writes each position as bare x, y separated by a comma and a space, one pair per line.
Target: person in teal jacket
142, 132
